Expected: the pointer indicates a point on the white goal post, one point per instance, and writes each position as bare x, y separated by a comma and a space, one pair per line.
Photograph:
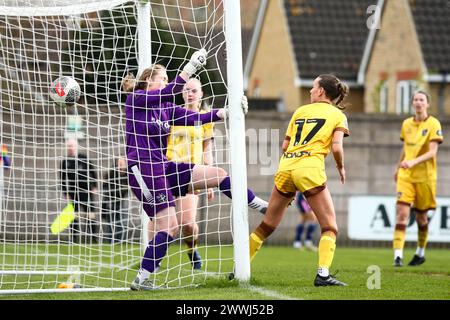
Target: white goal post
98, 42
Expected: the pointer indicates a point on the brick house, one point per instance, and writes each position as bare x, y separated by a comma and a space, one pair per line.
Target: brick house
410, 51
382, 60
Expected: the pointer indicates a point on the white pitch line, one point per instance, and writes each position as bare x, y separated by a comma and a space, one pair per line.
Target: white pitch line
269, 293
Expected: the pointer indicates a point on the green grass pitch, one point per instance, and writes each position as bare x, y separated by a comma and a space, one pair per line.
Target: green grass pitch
287, 273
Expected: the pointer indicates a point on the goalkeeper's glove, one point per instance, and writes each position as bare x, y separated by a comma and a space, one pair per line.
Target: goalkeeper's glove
223, 113
198, 60
244, 104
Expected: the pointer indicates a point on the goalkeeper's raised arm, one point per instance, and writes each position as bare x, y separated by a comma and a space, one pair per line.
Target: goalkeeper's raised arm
155, 77
197, 61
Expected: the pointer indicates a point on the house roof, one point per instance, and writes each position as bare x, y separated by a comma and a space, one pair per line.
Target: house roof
328, 36
433, 29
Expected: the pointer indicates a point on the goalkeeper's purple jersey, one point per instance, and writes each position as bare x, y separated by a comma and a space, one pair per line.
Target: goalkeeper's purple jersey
149, 116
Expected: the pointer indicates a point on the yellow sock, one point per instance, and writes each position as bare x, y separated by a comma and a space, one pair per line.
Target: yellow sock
423, 236
258, 236
255, 244
327, 246
399, 237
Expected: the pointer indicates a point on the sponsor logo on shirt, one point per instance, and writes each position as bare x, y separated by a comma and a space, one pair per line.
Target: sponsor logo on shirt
439, 133
162, 124
424, 132
290, 155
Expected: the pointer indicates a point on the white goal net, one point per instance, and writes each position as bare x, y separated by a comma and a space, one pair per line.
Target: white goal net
97, 43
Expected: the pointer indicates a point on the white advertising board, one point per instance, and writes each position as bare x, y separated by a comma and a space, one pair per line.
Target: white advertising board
373, 218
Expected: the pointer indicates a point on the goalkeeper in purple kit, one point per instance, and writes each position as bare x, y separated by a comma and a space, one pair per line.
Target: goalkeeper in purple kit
155, 181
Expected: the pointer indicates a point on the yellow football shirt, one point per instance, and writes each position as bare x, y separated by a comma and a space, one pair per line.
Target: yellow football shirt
416, 137
185, 143
310, 132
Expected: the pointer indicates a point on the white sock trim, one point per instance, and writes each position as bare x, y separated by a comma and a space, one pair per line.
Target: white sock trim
420, 252
143, 275
323, 272
398, 253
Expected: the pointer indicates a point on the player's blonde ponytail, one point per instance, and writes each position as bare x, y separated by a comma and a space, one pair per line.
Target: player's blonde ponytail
129, 83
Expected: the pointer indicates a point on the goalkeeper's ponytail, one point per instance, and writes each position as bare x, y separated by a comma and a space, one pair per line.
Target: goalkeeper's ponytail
335, 90
129, 83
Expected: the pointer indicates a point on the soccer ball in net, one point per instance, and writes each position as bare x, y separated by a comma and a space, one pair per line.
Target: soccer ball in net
65, 91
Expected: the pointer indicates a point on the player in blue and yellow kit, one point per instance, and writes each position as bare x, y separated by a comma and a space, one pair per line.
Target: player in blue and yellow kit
312, 130
416, 176
308, 221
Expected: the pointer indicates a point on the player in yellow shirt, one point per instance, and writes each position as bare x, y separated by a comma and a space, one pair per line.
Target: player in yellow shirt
313, 129
190, 144
416, 176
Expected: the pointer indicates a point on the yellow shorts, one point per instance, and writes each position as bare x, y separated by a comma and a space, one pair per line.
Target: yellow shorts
421, 195
305, 180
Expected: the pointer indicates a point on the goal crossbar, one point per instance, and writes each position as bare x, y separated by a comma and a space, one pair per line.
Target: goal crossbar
61, 10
